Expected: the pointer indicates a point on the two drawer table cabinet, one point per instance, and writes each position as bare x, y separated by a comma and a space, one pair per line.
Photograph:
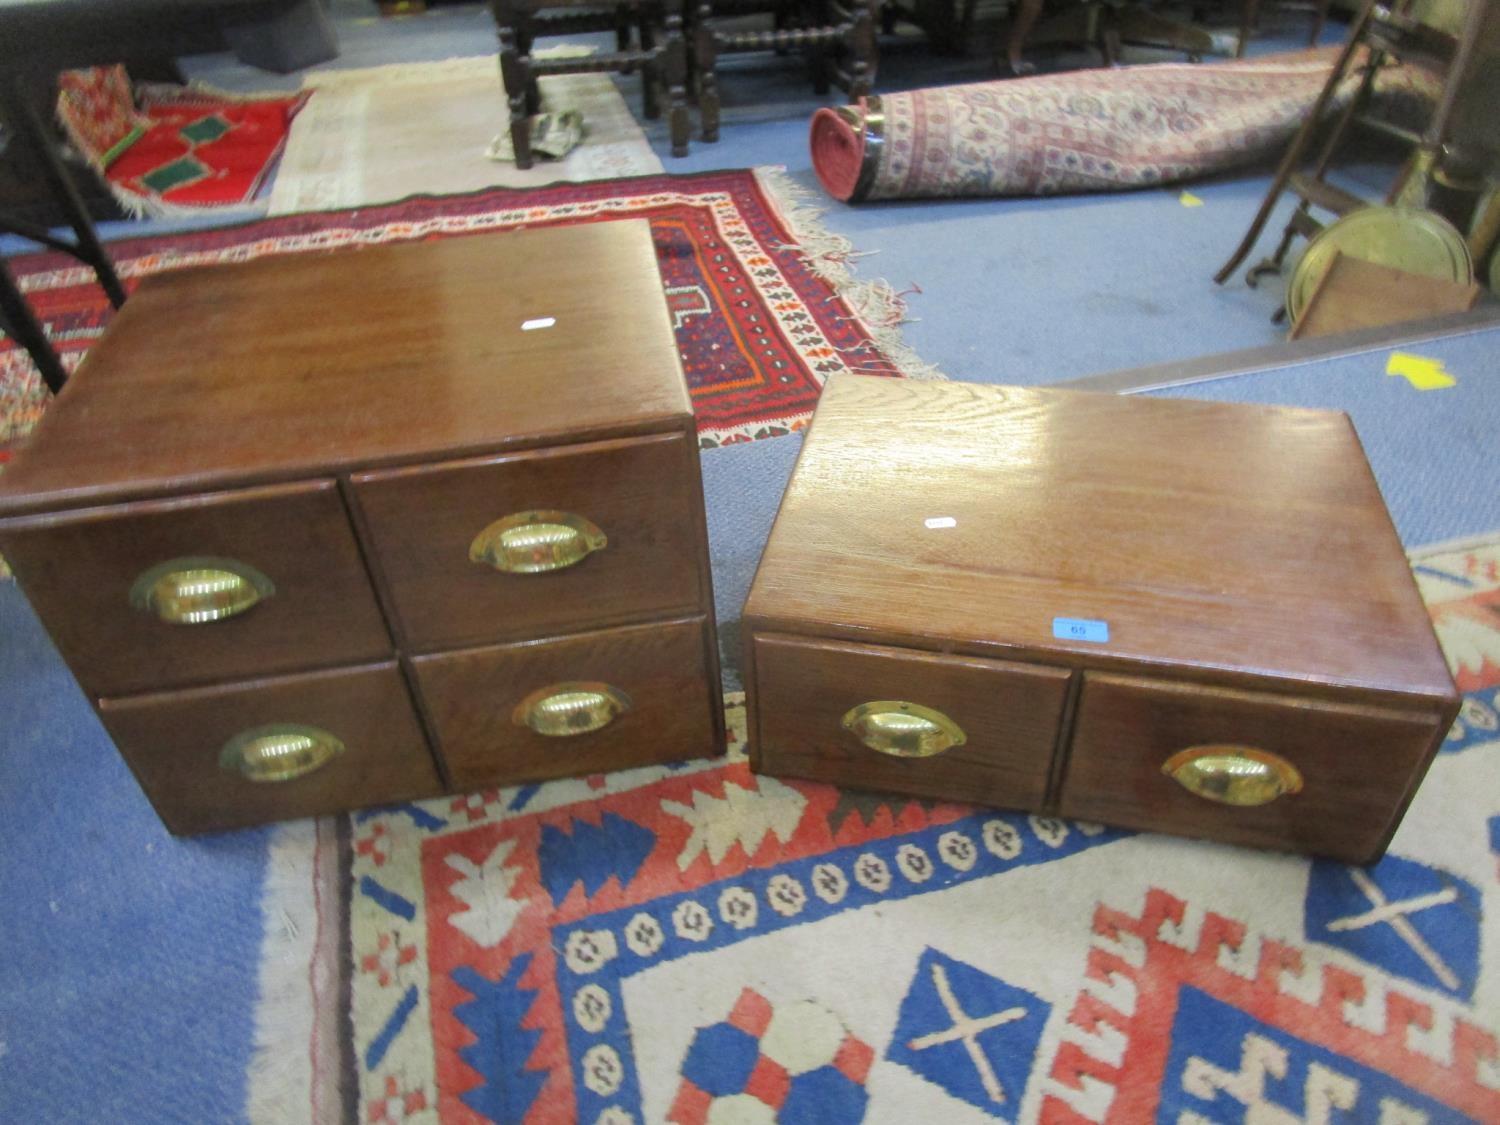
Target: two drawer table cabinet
329, 530
1184, 617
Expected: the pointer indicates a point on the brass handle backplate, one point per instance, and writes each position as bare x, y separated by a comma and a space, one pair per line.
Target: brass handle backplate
279, 752
196, 591
903, 730
565, 710
1233, 775
537, 542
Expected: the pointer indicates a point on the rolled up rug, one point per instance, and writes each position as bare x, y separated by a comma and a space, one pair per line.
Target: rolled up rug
1089, 130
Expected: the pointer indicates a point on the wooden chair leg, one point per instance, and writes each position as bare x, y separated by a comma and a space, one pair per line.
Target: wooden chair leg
651, 77
1249, 15
1299, 144
517, 83
1109, 37
706, 61
674, 75
1024, 19
862, 51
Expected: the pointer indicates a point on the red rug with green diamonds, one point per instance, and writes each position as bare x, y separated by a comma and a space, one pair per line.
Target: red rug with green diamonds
167, 150
761, 322
202, 149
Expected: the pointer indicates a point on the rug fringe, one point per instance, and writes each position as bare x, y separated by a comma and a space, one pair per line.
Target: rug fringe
146, 207
175, 92
293, 1073
880, 309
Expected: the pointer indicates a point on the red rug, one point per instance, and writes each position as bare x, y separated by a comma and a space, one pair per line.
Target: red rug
177, 149
764, 306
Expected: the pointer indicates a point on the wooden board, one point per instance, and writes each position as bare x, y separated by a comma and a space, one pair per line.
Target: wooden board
1355, 294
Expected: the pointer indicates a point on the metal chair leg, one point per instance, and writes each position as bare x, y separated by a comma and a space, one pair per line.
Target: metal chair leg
29, 126
23, 325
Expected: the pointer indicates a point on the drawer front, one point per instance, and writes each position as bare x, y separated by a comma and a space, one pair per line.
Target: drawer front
583, 704
225, 586
238, 754
1354, 767
538, 543
1008, 715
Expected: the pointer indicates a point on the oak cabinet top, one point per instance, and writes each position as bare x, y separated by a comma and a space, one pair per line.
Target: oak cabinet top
320, 362
1239, 541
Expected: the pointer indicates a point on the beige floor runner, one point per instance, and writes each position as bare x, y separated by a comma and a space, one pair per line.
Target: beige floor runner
383, 133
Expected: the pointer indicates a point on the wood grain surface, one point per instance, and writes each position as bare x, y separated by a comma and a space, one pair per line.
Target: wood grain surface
304, 364
1009, 712
421, 522
1227, 543
172, 741
675, 712
77, 569
1354, 294
1358, 764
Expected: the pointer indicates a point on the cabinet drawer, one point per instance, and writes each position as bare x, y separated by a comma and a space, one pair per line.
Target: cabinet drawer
193, 751
805, 723
593, 535
611, 700
256, 582
1355, 765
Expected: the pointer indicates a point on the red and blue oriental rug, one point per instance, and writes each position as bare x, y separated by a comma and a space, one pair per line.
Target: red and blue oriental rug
762, 296
704, 945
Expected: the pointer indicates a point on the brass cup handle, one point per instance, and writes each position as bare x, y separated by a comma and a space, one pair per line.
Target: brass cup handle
197, 591
1233, 775
279, 752
902, 729
537, 542
570, 709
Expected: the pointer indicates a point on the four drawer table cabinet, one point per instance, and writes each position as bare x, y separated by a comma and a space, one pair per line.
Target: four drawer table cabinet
1178, 616
328, 530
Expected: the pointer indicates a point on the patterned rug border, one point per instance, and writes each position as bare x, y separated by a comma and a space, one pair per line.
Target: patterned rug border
877, 305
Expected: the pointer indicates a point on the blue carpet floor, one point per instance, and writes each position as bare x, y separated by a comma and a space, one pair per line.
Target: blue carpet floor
129, 976
128, 983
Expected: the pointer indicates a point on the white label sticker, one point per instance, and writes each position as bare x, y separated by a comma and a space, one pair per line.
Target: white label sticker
539, 322
940, 521
1080, 629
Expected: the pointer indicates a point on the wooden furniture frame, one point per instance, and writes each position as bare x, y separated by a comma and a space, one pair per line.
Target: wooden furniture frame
1443, 144
838, 34
662, 63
